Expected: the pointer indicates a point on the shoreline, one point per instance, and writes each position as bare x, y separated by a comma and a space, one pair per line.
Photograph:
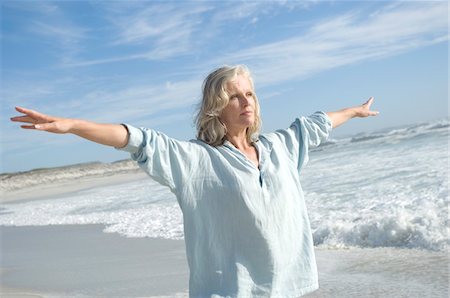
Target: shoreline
18, 293
60, 188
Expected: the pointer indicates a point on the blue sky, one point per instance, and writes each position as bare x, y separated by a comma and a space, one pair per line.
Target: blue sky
143, 62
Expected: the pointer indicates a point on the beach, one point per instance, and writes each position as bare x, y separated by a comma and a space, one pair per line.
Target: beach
83, 261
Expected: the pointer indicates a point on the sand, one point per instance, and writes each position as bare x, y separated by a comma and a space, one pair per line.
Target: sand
81, 260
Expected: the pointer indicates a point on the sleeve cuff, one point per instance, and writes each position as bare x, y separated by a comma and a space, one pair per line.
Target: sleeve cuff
326, 120
135, 139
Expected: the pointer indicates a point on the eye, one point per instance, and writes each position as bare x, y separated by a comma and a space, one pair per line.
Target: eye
250, 94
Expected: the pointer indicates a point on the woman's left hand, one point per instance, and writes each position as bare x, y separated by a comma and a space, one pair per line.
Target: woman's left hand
364, 109
340, 117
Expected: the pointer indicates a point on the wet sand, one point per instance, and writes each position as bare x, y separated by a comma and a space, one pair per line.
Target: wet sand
83, 261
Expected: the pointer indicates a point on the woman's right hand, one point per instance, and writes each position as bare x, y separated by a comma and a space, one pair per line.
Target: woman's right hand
115, 135
42, 122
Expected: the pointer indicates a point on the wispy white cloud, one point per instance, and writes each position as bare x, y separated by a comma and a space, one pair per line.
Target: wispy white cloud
164, 30
154, 31
348, 39
66, 33
66, 38
159, 22
52, 25
252, 10
142, 101
31, 6
81, 62
241, 10
71, 97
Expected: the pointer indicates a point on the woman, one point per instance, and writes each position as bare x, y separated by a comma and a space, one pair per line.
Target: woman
246, 227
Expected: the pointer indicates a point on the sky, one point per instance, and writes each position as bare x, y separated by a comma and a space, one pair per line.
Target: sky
143, 63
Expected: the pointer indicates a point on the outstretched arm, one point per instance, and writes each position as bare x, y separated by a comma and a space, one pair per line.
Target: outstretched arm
342, 116
114, 135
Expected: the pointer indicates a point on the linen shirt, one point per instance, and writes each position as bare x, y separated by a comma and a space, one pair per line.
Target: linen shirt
246, 229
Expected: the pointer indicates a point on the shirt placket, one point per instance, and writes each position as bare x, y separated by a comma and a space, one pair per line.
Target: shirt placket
262, 154
245, 160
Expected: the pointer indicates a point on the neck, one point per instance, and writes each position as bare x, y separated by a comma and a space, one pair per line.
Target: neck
238, 139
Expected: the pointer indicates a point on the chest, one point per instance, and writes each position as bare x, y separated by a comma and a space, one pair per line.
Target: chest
251, 171
252, 155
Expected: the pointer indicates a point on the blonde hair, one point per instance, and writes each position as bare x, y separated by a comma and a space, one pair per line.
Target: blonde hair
215, 98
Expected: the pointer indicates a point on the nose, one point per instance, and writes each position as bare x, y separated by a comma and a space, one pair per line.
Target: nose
245, 101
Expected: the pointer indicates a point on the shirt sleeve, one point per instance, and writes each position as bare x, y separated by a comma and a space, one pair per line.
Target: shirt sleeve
305, 133
166, 160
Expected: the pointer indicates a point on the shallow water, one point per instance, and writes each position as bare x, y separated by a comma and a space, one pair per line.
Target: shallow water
381, 272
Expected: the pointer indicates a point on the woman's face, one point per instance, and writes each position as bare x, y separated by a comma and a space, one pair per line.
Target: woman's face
239, 114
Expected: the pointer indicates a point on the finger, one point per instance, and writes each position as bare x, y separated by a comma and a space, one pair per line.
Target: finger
373, 113
26, 119
44, 126
27, 126
31, 113
369, 101
22, 110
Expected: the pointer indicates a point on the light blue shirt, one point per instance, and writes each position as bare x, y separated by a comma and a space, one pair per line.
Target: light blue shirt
246, 229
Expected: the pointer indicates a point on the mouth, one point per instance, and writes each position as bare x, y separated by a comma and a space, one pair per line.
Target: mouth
246, 113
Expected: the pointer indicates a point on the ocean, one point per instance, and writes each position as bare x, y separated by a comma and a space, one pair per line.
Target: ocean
382, 189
